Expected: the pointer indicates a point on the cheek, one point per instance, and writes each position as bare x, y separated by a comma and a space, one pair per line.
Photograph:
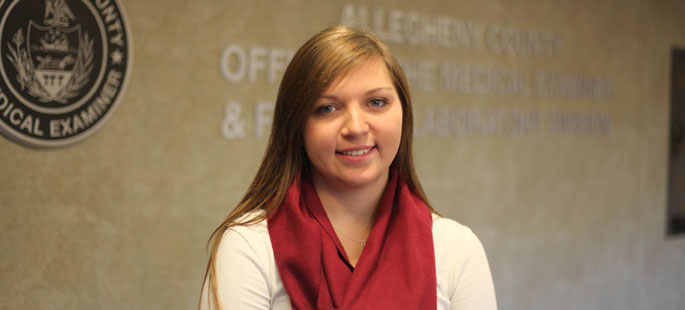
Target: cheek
316, 142
391, 135
309, 141
397, 136
397, 128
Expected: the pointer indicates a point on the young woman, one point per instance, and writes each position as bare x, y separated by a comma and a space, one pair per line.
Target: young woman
335, 217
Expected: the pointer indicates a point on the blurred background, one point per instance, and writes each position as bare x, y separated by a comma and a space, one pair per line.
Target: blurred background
542, 125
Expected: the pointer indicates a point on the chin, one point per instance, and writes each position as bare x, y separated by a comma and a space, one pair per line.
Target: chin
364, 179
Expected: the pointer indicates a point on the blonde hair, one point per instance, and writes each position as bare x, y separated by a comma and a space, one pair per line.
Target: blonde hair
316, 64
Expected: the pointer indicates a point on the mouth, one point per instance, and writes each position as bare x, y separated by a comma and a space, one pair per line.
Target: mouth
356, 152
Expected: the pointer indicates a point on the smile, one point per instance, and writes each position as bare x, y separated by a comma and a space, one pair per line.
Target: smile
357, 152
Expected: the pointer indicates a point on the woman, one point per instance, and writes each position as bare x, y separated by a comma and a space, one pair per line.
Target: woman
335, 217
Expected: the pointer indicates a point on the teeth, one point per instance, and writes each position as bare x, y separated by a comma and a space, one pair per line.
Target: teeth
357, 153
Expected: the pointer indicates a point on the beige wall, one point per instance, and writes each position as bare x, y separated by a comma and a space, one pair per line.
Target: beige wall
570, 220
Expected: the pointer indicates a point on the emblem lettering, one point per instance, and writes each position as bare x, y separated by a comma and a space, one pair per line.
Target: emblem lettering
63, 70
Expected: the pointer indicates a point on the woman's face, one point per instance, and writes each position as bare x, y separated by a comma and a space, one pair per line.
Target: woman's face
353, 133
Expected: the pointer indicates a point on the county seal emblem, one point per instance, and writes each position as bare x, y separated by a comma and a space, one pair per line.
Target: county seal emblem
63, 69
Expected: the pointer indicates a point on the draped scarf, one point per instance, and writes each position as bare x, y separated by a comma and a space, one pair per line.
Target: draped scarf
396, 269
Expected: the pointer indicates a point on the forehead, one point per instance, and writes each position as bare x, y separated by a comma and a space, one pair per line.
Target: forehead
371, 73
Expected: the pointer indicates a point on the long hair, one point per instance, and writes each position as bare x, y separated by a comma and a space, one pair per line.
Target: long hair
316, 64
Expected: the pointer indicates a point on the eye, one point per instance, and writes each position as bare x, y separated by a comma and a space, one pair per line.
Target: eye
378, 102
324, 109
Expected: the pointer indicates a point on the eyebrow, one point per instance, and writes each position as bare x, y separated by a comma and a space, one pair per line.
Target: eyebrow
365, 94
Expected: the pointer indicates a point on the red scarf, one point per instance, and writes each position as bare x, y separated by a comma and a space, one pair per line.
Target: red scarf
396, 269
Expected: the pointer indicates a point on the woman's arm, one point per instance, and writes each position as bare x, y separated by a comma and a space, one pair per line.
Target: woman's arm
472, 287
241, 272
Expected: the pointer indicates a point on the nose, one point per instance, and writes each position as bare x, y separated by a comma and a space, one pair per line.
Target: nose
356, 122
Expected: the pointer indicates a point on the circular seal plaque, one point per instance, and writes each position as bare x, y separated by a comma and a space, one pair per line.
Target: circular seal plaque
63, 69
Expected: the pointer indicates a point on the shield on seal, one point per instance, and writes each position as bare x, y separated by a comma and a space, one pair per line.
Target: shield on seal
53, 52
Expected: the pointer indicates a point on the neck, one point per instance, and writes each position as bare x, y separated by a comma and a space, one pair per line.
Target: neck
351, 208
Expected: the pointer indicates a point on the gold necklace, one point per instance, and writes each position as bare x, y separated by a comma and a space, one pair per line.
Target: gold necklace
362, 243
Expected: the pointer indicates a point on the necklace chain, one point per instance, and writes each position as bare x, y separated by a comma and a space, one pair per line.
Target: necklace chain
362, 243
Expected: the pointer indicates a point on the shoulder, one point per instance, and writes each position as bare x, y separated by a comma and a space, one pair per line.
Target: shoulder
244, 266
253, 238
453, 242
252, 229
462, 269
451, 234
242, 245
447, 225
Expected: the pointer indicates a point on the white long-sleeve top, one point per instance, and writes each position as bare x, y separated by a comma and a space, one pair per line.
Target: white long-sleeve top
247, 275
